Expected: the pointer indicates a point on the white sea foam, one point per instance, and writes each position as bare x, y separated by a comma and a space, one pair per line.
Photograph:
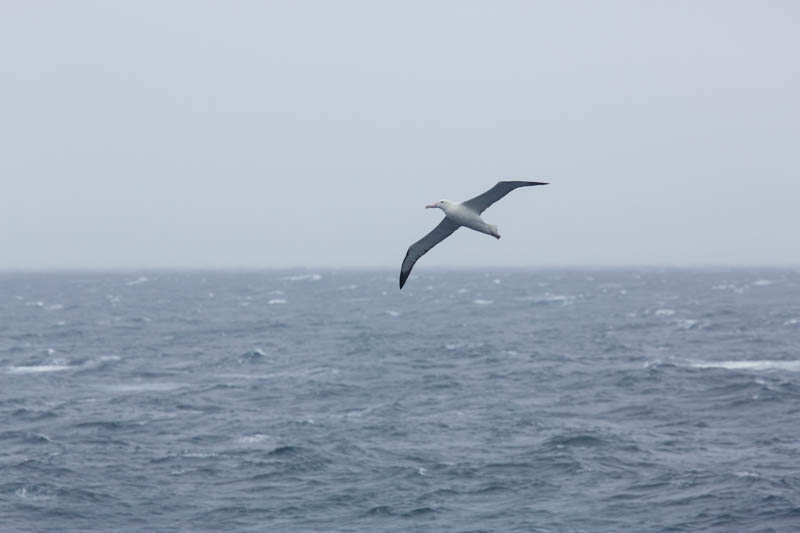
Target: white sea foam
24, 493
392, 313
763, 282
197, 455
58, 365
664, 312
482, 302
37, 369
253, 439
276, 301
137, 281
144, 387
303, 277
792, 366
548, 298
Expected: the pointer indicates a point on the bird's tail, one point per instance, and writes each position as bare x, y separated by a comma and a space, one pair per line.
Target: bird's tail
493, 229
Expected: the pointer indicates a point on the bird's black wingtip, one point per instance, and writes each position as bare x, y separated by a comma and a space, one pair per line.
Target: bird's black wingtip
403, 278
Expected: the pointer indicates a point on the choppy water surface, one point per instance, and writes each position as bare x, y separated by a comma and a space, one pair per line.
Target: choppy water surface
510, 400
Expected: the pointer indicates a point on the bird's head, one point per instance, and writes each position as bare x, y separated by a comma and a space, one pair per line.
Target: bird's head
441, 204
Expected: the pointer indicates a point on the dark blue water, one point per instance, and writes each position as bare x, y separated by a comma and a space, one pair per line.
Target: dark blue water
546, 400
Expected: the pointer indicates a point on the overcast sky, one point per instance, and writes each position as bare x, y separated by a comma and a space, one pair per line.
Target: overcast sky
276, 134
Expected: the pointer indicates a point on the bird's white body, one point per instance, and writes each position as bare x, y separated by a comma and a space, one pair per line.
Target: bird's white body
464, 216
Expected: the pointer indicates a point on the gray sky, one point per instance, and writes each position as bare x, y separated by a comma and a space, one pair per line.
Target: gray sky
274, 134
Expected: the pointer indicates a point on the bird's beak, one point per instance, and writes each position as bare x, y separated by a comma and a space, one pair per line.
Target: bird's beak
432, 206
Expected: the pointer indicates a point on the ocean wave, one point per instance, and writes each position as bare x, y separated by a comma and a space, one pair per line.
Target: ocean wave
38, 369
302, 277
792, 366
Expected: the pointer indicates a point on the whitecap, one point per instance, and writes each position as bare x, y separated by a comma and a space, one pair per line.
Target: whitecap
482, 302
36, 495
462, 291
198, 455
792, 366
253, 439
763, 282
664, 312
303, 277
37, 369
790, 322
393, 313
276, 301
547, 298
137, 281
687, 324
143, 387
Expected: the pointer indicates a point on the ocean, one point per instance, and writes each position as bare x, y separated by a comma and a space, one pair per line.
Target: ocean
530, 400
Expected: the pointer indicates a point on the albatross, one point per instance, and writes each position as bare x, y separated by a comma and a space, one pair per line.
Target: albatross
467, 214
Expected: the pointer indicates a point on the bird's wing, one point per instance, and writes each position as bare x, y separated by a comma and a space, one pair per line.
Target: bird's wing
482, 201
445, 228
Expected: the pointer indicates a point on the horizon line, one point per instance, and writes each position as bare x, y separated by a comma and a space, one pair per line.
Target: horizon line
566, 266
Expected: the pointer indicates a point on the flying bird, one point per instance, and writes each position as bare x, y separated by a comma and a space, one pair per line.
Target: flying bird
456, 215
